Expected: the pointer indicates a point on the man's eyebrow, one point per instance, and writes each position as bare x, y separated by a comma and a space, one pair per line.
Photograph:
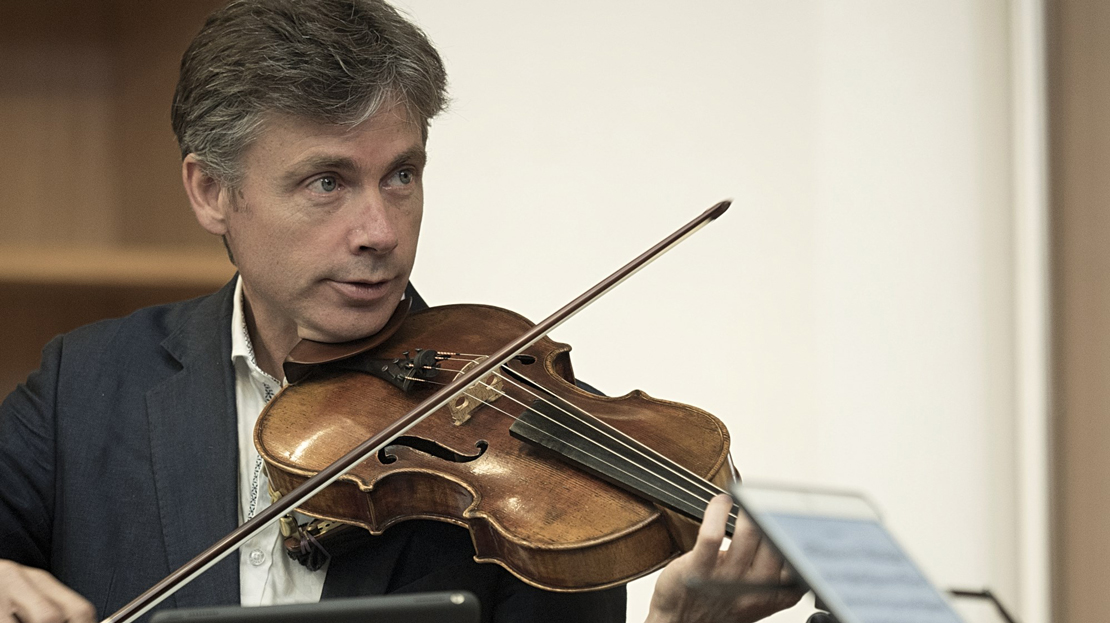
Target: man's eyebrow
414, 156
339, 164
342, 164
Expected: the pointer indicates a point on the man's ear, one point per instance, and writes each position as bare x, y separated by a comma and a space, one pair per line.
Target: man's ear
205, 195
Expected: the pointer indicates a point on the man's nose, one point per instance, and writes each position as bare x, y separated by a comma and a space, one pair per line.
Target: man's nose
372, 228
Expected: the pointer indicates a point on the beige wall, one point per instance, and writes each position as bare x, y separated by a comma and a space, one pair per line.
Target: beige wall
852, 318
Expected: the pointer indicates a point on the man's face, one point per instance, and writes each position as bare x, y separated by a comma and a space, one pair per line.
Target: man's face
324, 226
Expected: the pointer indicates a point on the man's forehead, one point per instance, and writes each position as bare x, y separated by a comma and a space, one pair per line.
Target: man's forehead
387, 135
392, 119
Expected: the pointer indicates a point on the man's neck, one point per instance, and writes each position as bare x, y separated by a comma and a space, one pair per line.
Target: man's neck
270, 347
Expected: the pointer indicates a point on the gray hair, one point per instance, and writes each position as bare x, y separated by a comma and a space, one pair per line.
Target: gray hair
329, 61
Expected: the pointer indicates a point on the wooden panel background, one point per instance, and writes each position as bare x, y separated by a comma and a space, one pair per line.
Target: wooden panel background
85, 92
92, 170
1079, 87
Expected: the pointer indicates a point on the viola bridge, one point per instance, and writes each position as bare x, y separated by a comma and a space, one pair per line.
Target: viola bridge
482, 391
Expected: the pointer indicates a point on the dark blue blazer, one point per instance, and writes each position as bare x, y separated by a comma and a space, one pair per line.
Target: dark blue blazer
118, 463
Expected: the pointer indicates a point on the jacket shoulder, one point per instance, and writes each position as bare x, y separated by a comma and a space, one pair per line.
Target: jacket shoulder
145, 330
141, 326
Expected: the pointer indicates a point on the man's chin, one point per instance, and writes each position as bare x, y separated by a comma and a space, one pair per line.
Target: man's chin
346, 329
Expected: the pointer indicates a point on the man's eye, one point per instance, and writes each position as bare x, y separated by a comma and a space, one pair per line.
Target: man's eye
403, 177
326, 184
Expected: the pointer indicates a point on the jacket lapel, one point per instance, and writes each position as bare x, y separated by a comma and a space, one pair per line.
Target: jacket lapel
194, 448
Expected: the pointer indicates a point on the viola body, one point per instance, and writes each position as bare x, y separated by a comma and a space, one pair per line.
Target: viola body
553, 526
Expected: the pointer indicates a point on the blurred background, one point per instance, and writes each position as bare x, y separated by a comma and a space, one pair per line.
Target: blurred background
906, 299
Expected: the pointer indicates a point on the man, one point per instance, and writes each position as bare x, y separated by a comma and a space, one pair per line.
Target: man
302, 128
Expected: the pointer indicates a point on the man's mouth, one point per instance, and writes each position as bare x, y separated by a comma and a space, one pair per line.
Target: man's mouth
362, 291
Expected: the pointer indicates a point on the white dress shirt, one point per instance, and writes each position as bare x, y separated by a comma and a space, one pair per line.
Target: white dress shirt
267, 575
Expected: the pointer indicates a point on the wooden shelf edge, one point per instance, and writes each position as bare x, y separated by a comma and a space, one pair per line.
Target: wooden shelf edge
118, 267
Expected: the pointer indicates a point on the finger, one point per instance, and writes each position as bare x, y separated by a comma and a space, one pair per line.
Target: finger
766, 564
73, 607
76, 609
30, 605
768, 567
18, 598
711, 534
35, 609
787, 575
35, 596
746, 540
789, 596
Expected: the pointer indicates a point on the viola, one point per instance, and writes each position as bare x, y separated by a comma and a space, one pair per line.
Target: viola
494, 460
661, 479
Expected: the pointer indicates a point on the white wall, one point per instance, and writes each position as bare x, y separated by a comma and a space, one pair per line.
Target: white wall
851, 318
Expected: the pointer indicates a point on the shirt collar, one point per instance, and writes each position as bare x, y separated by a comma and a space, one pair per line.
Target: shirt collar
241, 347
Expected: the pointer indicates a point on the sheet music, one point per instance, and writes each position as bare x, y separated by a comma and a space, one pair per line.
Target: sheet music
866, 568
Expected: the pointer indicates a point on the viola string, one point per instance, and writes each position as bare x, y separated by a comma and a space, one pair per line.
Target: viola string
464, 393
689, 476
